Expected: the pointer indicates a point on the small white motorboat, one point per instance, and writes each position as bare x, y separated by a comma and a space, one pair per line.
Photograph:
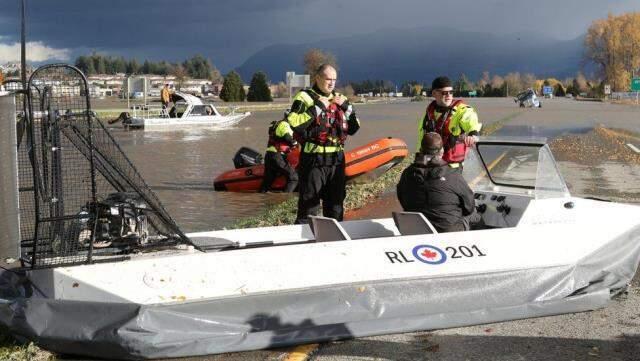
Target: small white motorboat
188, 110
538, 251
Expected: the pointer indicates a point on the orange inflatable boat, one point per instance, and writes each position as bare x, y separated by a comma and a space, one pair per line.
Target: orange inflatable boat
371, 159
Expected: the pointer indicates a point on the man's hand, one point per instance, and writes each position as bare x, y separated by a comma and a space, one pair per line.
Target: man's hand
470, 140
339, 99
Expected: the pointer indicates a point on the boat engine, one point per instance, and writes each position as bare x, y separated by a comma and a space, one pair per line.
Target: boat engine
246, 157
120, 220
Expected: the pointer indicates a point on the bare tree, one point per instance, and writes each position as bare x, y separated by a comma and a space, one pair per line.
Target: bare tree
313, 58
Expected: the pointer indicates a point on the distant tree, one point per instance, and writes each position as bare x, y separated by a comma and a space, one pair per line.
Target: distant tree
259, 89
313, 58
85, 64
512, 84
497, 86
282, 90
612, 44
232, 88
215, 76
180, 73
462, 85
198, 67
133, 67
1, 77
99, 64
417, 89
559, 90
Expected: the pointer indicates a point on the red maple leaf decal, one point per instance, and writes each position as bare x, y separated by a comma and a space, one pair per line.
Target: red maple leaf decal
428, 254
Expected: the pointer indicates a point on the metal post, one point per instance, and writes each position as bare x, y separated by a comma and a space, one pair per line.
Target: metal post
23, 49
9, 198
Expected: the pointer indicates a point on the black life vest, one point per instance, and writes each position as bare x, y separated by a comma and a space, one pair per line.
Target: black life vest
279, 143
454, 147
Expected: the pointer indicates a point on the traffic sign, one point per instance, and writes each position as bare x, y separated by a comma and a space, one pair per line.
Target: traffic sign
607, 89
547, 90
635, 84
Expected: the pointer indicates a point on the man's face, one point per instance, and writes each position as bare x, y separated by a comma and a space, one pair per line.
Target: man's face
326, 80
444, 96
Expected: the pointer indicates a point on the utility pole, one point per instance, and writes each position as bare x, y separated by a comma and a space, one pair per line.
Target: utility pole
23, 50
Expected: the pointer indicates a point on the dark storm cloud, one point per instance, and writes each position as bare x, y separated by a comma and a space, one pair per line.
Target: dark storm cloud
228, 31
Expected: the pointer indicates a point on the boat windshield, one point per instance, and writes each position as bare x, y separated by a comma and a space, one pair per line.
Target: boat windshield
524, 168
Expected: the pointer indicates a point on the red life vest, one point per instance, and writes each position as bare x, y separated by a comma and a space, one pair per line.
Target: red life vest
454, 147
279, 143
329, 128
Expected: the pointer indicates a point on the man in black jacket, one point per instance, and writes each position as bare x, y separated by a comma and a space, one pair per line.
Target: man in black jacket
430, 186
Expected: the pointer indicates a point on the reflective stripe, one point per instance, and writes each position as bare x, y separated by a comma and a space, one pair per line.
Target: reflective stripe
314, 148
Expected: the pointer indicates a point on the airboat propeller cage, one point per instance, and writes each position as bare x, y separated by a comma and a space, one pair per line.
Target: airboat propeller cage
9, 207
81, 199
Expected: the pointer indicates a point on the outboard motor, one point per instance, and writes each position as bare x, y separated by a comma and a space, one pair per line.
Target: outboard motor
246, 157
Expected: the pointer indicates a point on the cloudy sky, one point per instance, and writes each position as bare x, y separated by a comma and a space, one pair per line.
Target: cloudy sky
229, 31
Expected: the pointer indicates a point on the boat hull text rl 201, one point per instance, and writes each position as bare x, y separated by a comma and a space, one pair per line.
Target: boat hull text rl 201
371, 159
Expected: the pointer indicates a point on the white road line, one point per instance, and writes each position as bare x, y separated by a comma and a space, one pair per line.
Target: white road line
633, 147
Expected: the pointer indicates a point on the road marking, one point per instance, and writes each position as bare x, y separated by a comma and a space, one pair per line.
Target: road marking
489, 167
633, 147
302, 352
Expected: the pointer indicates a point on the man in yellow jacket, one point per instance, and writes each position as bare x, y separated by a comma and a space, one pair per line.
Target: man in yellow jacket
456, 122
279, 145
165, 97
322, 119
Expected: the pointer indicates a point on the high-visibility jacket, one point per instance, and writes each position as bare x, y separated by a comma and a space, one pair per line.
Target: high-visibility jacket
165, 96
280, 137
306, 119
458, 119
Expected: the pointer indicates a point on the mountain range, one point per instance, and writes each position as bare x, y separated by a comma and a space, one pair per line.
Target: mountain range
424, 53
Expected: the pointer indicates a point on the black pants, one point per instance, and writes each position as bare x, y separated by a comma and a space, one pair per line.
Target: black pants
275, 164
322, 178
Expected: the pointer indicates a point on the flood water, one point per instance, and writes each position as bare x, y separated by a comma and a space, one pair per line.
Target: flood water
180, 164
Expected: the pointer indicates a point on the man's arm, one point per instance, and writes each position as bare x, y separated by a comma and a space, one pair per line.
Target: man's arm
469, 124
465, 194
299, 116
349, 112
283, 130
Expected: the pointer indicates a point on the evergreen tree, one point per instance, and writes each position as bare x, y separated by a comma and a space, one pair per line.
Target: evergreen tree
259, 89
85, 64
232, 90
133, 67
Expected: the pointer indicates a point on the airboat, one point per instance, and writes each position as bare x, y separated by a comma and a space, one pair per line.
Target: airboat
188, 110
95, 266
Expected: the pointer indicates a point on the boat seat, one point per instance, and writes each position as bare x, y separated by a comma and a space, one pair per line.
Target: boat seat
327, 229
412, 223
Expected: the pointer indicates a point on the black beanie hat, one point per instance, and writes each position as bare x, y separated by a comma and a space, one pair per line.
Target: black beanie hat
440, 82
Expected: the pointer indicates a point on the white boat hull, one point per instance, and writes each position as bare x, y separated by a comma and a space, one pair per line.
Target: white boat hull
200, 121
558, 259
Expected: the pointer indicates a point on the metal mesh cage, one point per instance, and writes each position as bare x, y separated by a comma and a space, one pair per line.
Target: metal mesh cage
82, 200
